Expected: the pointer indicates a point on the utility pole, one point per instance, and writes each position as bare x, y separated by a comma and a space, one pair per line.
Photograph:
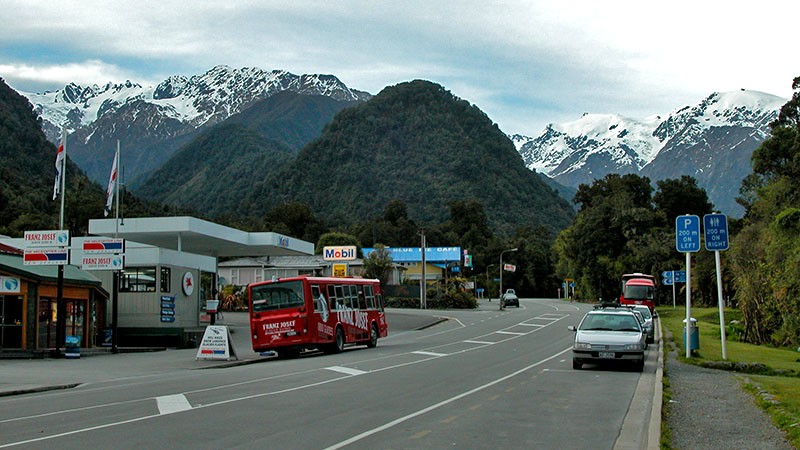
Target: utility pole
423, 285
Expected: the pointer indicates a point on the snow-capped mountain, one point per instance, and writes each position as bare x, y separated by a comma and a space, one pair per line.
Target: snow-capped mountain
711, 141
153, 121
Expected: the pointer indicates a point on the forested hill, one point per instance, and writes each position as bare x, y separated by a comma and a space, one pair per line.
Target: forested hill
27, 168
418, 143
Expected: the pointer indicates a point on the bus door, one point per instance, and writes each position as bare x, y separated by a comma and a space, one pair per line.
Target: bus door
321, 324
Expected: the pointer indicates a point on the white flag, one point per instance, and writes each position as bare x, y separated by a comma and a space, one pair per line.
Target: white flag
61, 155
112, 185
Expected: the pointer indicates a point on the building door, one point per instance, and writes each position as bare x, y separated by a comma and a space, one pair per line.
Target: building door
10, 321
48, 319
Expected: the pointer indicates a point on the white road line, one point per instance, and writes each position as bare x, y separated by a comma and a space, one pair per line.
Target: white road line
346, 370
510, 332
400, 420
429, 353
169, 404
532, 325
478, 342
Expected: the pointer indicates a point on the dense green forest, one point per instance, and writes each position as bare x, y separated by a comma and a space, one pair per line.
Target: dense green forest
418, 143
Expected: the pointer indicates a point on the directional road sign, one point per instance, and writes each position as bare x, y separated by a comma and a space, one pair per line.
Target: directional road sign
716, 231
687, 233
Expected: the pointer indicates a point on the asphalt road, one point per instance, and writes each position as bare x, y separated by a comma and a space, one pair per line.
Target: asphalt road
481, 379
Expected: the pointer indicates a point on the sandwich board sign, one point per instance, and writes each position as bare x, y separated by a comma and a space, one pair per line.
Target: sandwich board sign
216, 344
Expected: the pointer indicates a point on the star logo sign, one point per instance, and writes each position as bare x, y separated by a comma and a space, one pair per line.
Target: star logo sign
188, 283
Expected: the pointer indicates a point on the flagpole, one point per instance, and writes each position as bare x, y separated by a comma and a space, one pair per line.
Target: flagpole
61, 310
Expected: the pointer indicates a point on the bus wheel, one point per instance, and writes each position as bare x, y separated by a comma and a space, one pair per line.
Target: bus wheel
373, 337
338, 344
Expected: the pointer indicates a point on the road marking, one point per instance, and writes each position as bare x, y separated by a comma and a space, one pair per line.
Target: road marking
421, 434
169, 404
510, 332
408, 417
478, 342
532, 325
420, 352
346, 370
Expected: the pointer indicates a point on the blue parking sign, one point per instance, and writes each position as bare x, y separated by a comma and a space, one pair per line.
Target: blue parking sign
715, 227
687, 233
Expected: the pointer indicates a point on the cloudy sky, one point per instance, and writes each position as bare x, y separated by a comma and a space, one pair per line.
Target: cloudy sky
524, 63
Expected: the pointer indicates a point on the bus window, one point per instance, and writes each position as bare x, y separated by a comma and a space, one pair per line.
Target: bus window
319, 298
379, 298
362, 300
369, 297
352, 297
341, 298
277, 296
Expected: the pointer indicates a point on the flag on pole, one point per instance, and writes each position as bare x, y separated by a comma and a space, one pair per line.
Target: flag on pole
112, 185
61, 155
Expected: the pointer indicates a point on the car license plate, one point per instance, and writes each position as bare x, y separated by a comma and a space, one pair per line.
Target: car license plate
606, 355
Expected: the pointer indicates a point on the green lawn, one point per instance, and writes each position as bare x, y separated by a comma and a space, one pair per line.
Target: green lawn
778, 394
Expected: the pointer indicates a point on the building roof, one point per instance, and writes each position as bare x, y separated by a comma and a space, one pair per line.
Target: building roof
13, 264
200, 237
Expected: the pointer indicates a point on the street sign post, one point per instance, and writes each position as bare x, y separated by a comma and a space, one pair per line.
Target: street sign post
715, 227
687, 240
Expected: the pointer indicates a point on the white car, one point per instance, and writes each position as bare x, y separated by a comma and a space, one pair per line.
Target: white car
609, 335
649, 322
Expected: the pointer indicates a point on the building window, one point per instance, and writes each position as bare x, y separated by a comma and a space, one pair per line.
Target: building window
138, 279
166, 279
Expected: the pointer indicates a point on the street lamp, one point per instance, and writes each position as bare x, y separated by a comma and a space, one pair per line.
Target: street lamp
501, 272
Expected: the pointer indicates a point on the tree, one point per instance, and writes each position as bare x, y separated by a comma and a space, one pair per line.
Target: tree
378, 264
767, 249
336, 238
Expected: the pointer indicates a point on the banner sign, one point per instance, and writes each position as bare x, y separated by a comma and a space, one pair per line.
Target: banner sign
509, 267
46, 257
414, 254
103, 245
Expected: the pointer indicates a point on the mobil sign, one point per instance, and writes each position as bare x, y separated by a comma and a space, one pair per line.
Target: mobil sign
339, 253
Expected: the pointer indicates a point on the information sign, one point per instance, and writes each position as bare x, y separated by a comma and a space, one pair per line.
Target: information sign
216, 344
103, 262
715, 227
47, 238
687, 233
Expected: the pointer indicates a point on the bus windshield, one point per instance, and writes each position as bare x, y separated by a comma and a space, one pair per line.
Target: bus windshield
636, 292
268, 297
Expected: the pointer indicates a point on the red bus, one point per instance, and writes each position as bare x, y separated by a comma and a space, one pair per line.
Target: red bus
638, 289
292, 314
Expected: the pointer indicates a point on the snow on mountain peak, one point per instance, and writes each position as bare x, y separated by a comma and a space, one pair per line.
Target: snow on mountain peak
205, 98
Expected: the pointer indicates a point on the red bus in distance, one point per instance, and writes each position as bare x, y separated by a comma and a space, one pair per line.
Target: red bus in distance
292, 314
638, 289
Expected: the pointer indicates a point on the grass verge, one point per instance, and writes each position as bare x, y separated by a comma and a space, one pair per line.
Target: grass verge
773, 374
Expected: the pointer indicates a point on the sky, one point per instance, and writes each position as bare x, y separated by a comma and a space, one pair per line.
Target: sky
524, 63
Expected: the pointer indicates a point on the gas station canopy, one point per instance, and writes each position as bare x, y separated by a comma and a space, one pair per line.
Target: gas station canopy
200, 237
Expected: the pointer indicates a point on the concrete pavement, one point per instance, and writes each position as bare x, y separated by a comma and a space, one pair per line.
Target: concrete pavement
21, 376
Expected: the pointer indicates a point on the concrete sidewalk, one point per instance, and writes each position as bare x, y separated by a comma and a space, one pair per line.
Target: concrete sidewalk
21, 376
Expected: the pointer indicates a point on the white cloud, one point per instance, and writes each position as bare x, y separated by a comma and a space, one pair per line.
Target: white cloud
521, 60
83, 73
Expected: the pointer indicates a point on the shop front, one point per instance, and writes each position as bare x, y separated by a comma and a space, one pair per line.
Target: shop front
29, 306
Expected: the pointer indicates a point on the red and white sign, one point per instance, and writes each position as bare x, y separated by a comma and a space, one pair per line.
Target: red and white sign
509, 267
188, 283
46, 257
103, 245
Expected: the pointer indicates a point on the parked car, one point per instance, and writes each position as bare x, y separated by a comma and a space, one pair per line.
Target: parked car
510, 298
609, 335
649, 322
